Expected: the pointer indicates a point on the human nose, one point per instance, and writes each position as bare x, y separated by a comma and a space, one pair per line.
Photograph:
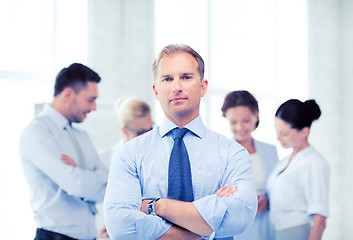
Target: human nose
93, 106
176, 87
238, 126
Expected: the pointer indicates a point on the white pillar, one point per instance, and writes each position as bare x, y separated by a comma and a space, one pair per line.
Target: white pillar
331, 84
121, 50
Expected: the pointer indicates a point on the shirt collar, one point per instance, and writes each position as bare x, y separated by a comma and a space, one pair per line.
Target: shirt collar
55, 116
196, 126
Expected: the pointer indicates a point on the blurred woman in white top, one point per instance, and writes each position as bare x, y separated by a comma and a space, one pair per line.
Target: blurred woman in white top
134, 117
298, 186
242, 111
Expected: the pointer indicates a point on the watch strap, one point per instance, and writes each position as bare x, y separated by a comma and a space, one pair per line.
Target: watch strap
151, 207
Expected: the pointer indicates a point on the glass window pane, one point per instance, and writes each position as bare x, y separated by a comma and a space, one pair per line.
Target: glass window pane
26, 35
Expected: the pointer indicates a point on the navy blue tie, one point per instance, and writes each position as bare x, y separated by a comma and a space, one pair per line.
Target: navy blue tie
179, 174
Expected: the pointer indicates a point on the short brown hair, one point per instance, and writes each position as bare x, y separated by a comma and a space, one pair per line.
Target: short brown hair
241, 98
76, 77
177, 48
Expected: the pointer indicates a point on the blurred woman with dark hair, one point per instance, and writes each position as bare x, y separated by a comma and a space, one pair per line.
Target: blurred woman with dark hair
298, 186
242, 111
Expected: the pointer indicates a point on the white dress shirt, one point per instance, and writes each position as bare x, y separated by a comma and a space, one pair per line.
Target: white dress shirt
299, 191
258, 172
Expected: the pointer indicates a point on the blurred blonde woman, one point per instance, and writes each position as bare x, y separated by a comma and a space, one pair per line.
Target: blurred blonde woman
134, 117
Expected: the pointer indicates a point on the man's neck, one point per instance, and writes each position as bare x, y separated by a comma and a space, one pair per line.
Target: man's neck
58, 107
181, 121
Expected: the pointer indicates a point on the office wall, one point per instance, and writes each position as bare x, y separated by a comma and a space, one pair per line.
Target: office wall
331, 84
120, 48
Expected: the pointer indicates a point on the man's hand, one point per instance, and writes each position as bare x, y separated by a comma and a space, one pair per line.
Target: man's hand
102, 233
68, 160
262, 203
144, 205
226, 191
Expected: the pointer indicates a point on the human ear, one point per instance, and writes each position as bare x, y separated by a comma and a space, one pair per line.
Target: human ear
124, 131
67, 93
155, 90
305, 131
204, 85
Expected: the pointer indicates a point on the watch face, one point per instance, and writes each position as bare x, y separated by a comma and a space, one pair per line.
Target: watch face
149, 208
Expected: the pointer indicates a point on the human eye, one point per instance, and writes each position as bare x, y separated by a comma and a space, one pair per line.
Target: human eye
187, 77
166, 79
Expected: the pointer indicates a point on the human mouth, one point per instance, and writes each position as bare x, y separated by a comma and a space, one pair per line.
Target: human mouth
178, 99
243, 133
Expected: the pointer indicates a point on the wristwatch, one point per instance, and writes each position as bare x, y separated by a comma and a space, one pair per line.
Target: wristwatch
150, 207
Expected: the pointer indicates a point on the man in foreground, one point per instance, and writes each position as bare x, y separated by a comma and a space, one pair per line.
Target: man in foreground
180, 180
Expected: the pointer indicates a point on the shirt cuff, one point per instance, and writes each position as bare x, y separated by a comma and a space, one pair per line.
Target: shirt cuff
212, 209
151, 227
211, 237
320, 209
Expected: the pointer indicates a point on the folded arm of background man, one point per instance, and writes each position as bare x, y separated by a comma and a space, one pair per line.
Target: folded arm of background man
39, 148
226, 216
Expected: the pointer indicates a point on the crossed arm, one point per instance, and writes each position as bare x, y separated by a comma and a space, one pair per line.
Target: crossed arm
126, 218
187, 222
211, 214
39, 147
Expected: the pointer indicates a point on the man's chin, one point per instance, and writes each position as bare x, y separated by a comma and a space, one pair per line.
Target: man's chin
76, 120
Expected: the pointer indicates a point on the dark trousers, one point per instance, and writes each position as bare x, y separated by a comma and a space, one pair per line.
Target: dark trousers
42, 234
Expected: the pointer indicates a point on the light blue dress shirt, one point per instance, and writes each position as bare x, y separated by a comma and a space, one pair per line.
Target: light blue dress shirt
59, 192
140, 170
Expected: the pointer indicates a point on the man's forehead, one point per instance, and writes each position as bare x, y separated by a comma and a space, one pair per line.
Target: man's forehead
178, 55
183, 63
90, 88
92, 84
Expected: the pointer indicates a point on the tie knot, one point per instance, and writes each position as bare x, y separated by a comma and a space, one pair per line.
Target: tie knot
68, 125
179, 132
